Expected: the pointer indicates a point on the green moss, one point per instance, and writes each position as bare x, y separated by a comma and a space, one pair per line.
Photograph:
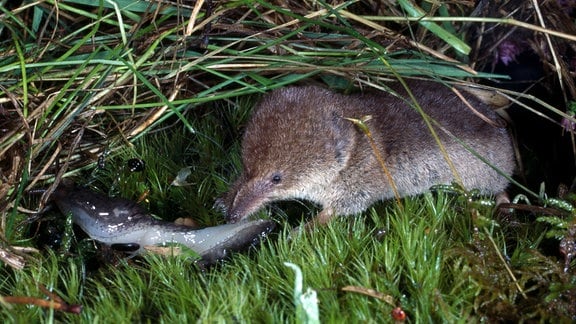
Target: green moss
440, 257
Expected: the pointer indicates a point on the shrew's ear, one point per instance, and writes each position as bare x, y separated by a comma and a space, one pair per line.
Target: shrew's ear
342, 138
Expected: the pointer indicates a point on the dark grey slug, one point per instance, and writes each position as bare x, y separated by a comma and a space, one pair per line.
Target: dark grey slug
121, 221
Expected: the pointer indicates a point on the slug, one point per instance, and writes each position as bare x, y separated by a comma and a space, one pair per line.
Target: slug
117, 221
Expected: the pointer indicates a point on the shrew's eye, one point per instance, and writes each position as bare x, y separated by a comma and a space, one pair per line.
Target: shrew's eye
276, 178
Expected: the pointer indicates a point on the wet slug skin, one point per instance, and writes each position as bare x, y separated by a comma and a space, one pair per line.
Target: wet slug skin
121, 222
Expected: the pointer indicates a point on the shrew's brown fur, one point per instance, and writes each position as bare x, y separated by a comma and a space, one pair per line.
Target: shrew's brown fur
300, 144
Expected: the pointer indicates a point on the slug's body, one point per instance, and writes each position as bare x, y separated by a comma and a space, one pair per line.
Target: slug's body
120, 221
301, 144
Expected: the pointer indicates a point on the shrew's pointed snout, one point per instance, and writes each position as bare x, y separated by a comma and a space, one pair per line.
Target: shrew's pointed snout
246, 198
233, 218
242, 205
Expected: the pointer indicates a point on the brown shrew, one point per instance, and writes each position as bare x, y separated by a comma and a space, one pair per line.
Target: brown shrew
301, 144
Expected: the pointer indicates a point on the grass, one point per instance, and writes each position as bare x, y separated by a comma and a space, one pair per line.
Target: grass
407, 263
423, 262
86, 82
437, 257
